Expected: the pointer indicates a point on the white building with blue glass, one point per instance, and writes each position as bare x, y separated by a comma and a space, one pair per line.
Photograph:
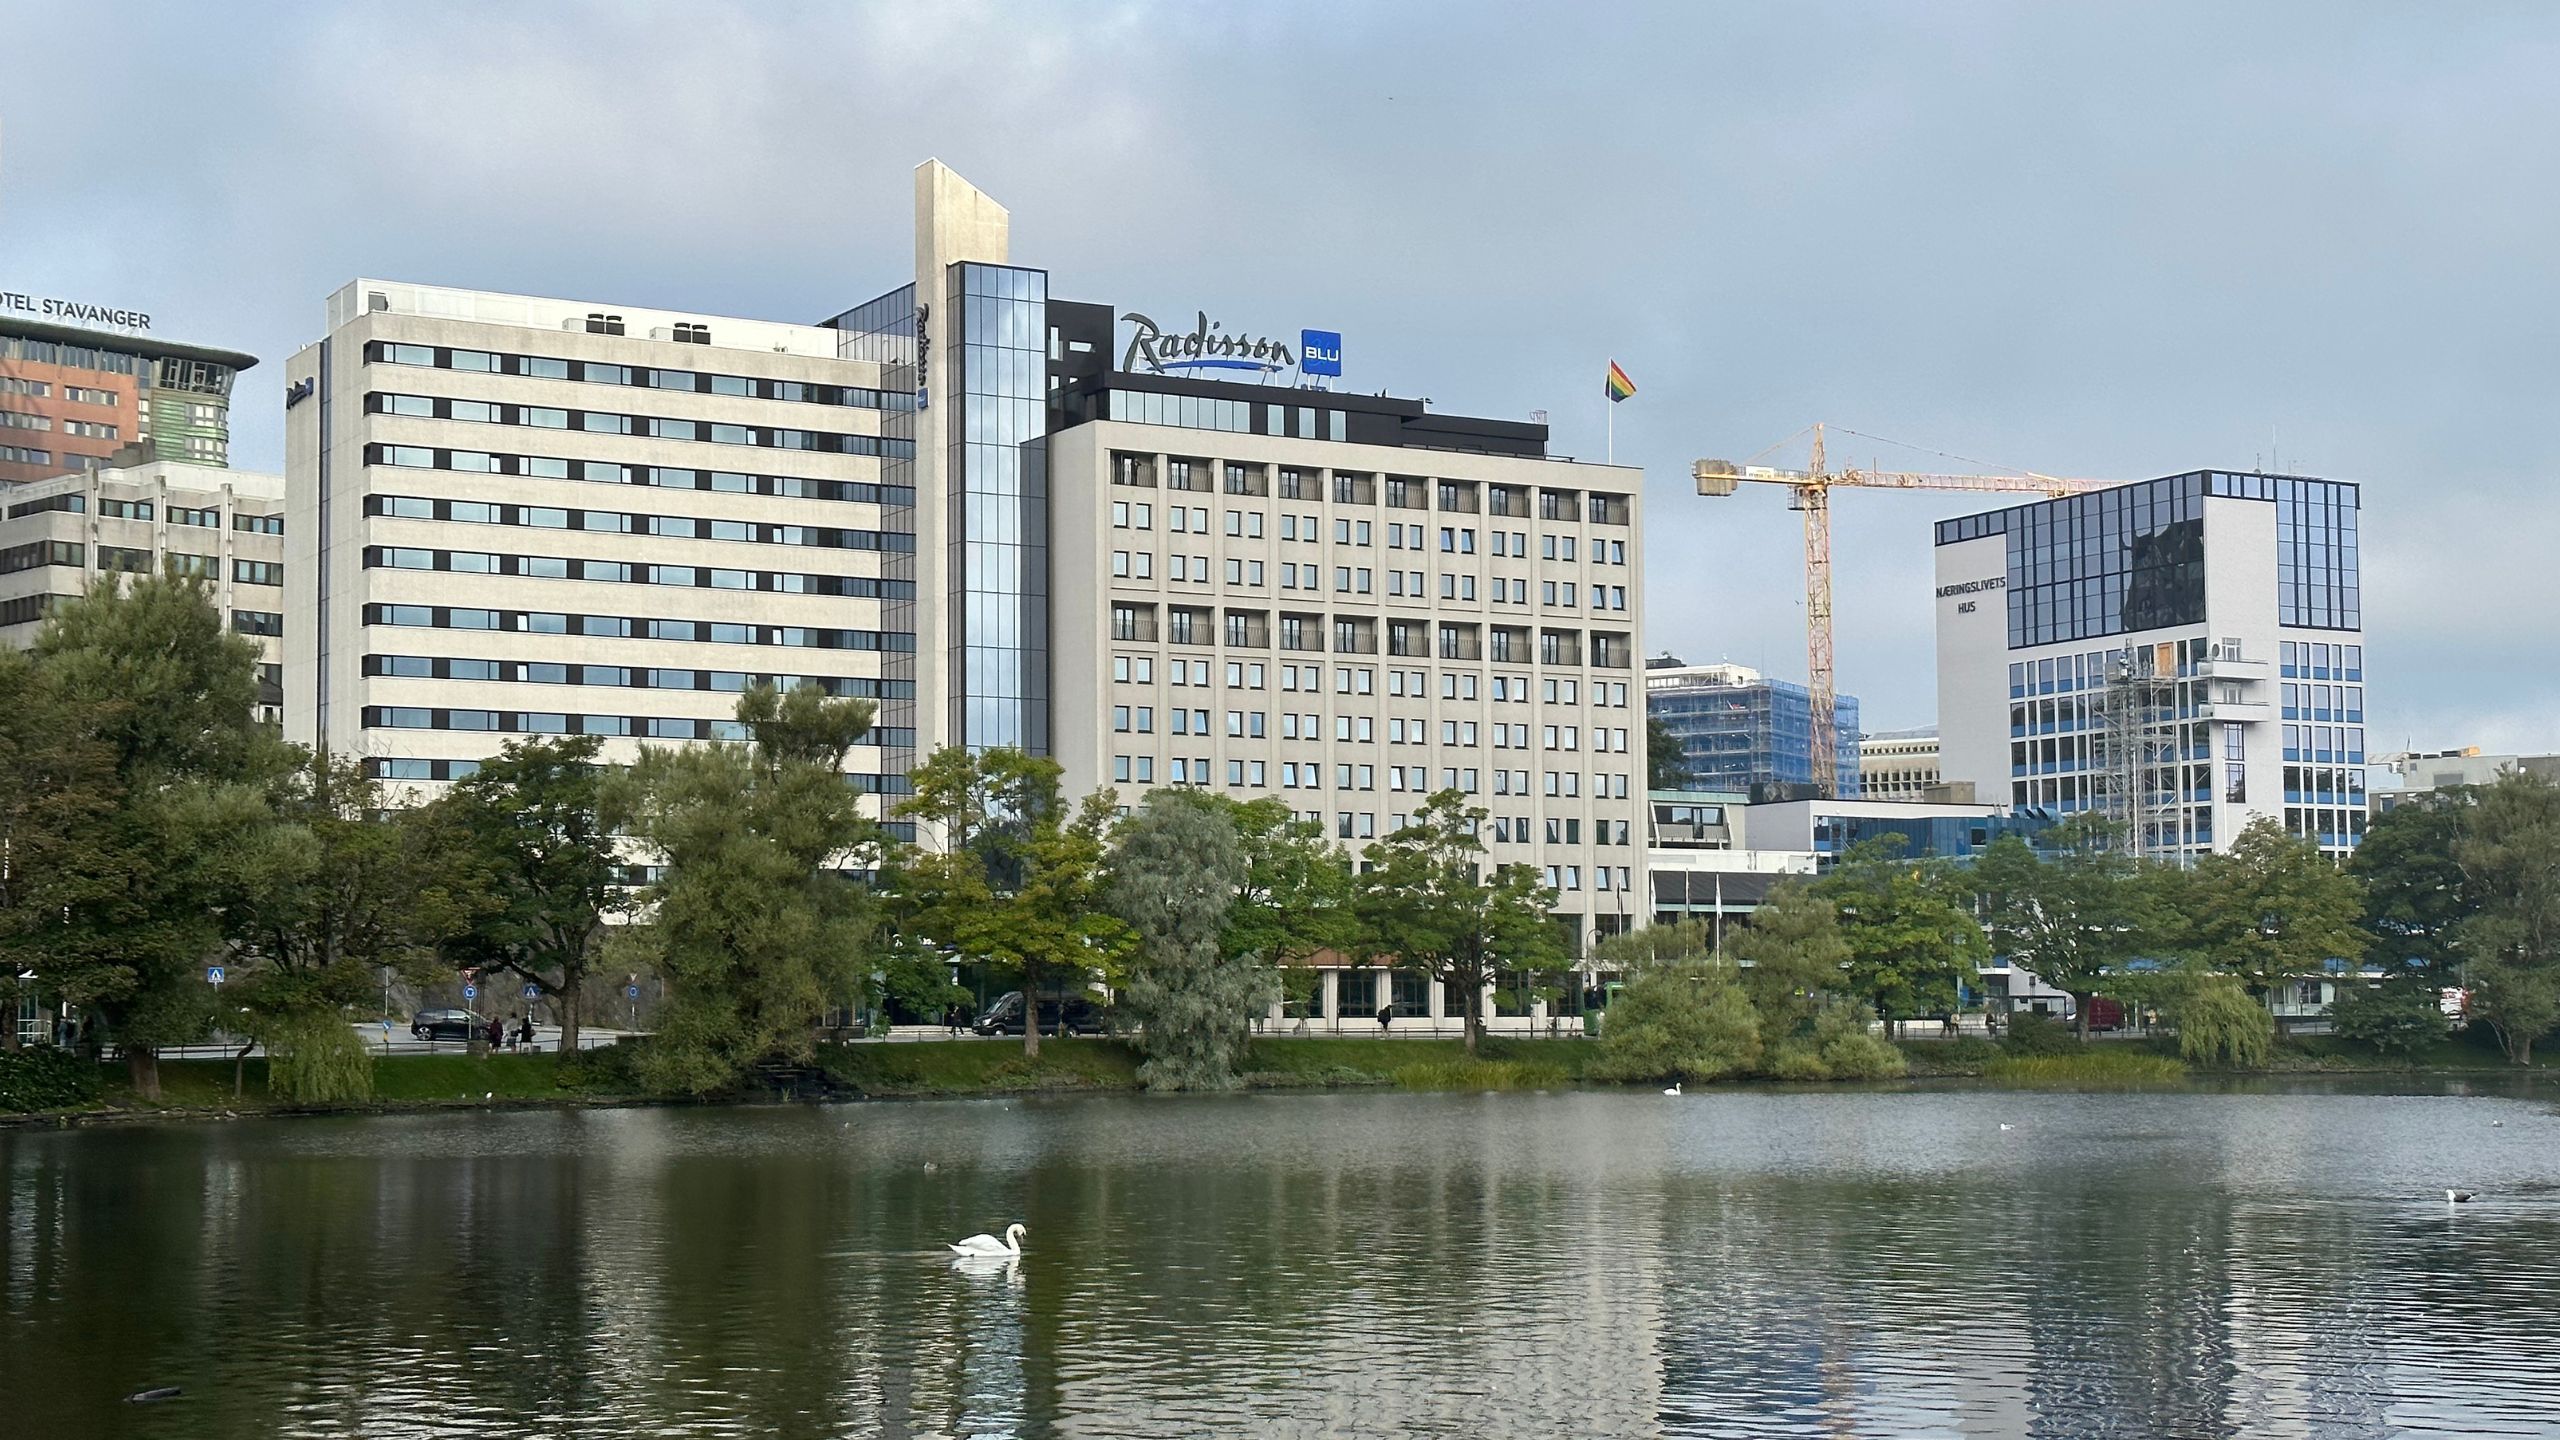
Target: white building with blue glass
2182, 655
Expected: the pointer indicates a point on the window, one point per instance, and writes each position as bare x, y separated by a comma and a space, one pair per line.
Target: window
258, 572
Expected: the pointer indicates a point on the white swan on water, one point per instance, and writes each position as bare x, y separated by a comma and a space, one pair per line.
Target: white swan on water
1010, 1245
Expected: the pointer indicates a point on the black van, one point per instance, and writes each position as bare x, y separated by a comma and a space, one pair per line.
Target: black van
447, 1024
1004, 1017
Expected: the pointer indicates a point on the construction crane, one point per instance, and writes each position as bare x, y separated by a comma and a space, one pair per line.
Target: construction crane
1809, 490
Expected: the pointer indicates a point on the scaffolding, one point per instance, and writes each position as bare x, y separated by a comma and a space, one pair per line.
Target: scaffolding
2137, 764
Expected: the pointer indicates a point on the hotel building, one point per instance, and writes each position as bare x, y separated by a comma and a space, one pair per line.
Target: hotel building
75, 399
2183, 655
1162, 558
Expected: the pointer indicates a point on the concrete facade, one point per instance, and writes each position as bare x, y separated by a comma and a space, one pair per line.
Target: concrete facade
519, 516
1318, 620
58, 536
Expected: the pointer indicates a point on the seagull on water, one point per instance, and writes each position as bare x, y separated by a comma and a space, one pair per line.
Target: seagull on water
2005, 1125
2458, 1197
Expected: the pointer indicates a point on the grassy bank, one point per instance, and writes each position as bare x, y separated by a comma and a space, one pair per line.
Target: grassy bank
976, 1067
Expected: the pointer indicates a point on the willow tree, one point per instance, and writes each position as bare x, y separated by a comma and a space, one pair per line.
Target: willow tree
755, 924
1177, 870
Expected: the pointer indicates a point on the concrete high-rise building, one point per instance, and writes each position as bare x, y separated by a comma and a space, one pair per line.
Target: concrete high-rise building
1163, 553
1900, 765
2183, 655
226, 526
74, 399
1739, 730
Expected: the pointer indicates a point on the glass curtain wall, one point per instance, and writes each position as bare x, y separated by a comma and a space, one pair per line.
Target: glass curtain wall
997, 481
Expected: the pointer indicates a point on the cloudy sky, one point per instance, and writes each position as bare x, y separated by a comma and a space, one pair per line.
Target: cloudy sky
2088, 239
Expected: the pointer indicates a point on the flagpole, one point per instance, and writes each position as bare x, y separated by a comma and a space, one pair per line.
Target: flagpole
1610, 404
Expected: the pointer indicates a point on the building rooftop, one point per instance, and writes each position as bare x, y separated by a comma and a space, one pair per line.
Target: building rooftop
124, 342
536, 312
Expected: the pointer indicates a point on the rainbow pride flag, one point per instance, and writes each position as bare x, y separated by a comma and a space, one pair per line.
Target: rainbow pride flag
1619, 386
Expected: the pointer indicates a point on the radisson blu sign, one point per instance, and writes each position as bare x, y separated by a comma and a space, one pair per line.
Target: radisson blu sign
1209, 345
71, 312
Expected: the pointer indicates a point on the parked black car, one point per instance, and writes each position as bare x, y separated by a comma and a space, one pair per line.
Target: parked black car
447, 1025
1004, 1017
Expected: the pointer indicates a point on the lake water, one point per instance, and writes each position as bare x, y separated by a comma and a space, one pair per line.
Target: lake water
1751, 1263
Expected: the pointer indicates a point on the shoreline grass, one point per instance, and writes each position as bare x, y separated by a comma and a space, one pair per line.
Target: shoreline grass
964, 1068
2114, 1069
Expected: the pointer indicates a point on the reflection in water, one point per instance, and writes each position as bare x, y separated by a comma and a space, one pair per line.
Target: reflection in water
1755, 1263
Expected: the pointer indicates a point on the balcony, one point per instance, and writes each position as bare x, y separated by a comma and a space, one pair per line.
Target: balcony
2240, 711
2243, 671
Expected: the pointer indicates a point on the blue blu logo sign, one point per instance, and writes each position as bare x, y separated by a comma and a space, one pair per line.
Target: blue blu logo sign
1319, 352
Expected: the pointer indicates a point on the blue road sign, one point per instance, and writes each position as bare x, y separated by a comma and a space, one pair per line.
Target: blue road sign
213, 974
470, 992
533, 992
633, 991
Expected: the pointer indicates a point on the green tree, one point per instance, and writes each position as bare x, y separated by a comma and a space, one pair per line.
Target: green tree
1666, 760
1682, 1016
158, 698
57, 785
754, 924
2272, 908
1177, 870
1296, 900
524, 854
1791, 955
2508, 846
1909, 926
2220, 1023
1005, 871
2401, 1013
1429, 900
330, 896
2415, 893
2074, 920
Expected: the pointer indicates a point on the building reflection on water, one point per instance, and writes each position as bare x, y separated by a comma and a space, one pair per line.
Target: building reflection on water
1590, 1265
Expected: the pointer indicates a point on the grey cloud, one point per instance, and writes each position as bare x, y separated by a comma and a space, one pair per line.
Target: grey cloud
2115, 240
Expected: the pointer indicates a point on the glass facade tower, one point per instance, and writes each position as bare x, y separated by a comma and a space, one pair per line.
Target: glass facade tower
997, 482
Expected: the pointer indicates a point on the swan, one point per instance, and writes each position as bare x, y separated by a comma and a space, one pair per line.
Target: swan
1011, 1244
1674, 1090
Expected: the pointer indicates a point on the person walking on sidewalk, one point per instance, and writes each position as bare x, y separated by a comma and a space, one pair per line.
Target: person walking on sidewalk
1386, 1013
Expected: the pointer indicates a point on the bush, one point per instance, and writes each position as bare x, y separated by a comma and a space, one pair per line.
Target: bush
1672, 1025
2034, 1034
1851, 1051
1795, 1060
2219, 1023
46, 1077
2399, 1014
318, 1061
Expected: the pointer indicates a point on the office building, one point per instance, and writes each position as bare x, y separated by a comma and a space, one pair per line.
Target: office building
2404, 775
225, 526
1698, 867
1739, 730
1900, 765
2182, 655
1162, 554
73, 398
